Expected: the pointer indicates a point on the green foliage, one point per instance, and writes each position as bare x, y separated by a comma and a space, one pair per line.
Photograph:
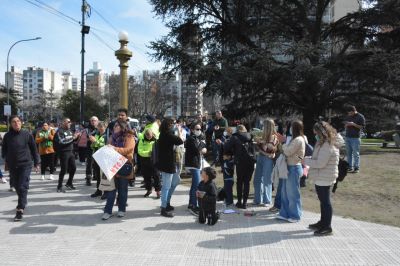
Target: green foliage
70, 106
13, 101
282, 57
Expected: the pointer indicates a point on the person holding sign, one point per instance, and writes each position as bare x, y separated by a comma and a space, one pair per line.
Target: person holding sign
123, 142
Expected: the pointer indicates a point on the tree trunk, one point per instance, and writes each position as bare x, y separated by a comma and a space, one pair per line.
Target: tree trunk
309, 119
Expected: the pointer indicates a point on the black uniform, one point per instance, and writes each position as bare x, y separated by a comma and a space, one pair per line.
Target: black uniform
64, 141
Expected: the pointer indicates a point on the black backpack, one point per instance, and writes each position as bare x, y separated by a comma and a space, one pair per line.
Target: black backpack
249, 151
343, 167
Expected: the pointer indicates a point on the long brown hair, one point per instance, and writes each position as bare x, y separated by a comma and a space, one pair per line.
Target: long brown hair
326, 132
269, 129
297, 129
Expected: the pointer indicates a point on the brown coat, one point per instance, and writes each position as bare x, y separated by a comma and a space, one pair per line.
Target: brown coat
127, 151
45, 150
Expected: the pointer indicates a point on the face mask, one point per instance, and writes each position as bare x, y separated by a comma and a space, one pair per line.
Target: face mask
225, 133
317, 138
276, 128
197, 133
290, 131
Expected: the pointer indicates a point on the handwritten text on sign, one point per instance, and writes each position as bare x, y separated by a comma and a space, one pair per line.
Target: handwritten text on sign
109, 161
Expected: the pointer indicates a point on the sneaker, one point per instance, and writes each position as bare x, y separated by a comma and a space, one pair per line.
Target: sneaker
121, 214
70, 186
169, 208
104, 196
166, 213
3, 180
51, 177
350, 170
356, 170
238, 205
59, 189
273, 209
11, 189
148, 193
96, 194
315, 226
106, 216
83, 163
290, 220
42, 177
18, 216
194, 210
279, 217
323, 232
131, 183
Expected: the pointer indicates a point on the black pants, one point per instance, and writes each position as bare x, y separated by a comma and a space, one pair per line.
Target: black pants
47, 160
323, 193
19, 179
150, 174
89, 163
211, 217
67, 162
244, 172
82, 154
96, 173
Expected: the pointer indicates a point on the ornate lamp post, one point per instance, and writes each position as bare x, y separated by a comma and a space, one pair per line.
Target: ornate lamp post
123, 55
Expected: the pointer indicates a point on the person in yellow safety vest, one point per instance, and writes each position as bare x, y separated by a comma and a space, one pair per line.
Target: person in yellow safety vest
153, 125
150, 174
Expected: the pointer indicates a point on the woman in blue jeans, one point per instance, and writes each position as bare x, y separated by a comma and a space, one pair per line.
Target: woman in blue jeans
166, 164
324, 171
294, 151
123, 142
195, 148
267, 147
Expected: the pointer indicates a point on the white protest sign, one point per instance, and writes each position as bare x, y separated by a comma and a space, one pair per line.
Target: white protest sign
109, 161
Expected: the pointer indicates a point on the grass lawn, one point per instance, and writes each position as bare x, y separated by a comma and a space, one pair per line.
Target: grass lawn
372, 195
372, 140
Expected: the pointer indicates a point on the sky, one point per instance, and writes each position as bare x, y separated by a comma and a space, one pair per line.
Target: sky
60, 46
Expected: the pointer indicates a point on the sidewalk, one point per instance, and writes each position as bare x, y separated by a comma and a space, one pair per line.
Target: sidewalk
66, 229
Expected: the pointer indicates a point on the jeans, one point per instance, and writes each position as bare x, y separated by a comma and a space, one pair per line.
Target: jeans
228, 171
291, 200
323, 193
169, 183
19, 179
121, 185
195, 183
353, 152
67, 162
263, 180
278, 195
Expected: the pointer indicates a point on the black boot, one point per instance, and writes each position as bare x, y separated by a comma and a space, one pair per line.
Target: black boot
169, 208
88, 180
165, 213
96, 194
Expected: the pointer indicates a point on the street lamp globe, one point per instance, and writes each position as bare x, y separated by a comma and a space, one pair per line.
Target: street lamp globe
123, 36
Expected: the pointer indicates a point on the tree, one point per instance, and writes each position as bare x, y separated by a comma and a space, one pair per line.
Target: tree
70, 105
283, 57
14, 101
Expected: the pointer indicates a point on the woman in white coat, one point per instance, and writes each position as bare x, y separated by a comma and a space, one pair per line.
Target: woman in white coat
324, 171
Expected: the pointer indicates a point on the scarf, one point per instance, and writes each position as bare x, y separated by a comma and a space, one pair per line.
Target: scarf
117, 139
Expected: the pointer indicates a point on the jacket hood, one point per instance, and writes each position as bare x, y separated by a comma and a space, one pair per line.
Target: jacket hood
243, 136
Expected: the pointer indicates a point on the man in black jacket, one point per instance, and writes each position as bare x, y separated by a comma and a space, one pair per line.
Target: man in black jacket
64, 141
18, 150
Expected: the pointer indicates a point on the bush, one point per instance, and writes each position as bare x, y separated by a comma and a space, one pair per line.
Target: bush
3, 128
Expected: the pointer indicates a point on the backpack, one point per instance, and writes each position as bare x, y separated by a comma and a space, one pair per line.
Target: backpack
249, 151
343, 168
154, 154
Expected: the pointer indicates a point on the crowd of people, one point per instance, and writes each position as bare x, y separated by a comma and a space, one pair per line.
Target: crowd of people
164, 148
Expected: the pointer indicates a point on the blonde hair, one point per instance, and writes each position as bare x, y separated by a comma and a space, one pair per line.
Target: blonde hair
326, 132
269, 129
241, 128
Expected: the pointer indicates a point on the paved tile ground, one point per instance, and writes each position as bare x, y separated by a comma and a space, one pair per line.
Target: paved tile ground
66, 229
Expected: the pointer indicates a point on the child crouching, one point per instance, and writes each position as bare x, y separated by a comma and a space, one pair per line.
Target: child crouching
207, 197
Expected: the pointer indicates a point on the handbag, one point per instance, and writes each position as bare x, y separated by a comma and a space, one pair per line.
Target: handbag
105, 184
125, 170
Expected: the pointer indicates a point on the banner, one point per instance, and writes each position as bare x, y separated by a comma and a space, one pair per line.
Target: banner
109, 161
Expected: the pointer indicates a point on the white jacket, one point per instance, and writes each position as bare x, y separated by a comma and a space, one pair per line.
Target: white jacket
280, 169
324, 163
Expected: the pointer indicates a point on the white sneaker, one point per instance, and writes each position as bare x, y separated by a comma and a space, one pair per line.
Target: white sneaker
51, 177
42, 177
279, 217
11, 189
82, 163
106, 216
3, 180
290, 220
121, 214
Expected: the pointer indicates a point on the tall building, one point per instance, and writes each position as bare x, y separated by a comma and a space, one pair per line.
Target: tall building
40, 87
340, 8
67, 81
76, 84
95, 82
14, 80
172, 87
